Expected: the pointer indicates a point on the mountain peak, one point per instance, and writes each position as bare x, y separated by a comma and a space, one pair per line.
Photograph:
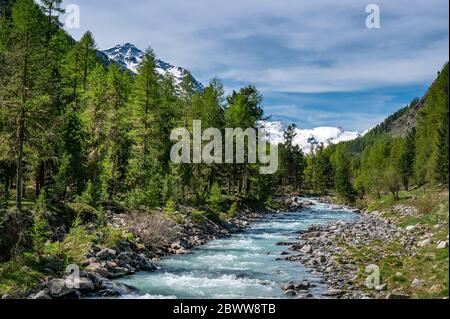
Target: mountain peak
128, 56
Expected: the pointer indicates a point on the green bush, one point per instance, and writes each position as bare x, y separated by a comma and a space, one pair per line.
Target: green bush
170, 206
138, 198
40, 234
77, 243
215, 199
199, 216
86, 212
110, 236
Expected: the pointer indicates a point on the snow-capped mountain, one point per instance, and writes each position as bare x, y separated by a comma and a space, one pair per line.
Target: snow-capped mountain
129, 56
306, 139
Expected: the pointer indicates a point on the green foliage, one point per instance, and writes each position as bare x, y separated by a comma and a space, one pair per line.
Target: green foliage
85, 212
170, 206
343, 185
431, 121
199, 216
215, 199
233, 210
110, 236
40, 234
18, 277
77, 243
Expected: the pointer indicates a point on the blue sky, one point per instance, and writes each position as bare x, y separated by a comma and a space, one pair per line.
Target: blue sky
315, 62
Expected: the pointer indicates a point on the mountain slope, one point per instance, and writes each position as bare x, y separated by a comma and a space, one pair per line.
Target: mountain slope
129, 57
399, 124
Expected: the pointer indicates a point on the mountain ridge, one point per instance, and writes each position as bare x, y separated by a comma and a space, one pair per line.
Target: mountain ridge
128, 57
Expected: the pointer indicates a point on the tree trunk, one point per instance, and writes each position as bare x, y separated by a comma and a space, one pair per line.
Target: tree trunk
21, 128
19, 171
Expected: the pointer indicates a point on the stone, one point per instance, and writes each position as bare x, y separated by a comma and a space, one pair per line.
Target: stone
304, 285
58, 288
84, 284
306, 249
146, 265
442, 245
98, 268
425, 243
417, 283
42, 295
124, 259
333, 292
106, 253
410, 228
290, 293
382, 287
289, 286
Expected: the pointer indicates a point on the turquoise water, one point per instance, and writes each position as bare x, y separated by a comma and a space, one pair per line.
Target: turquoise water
244, 265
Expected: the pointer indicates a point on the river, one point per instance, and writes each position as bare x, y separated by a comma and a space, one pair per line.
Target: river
243, 266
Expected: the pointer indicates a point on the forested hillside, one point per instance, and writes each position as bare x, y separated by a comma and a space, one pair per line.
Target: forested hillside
409, 148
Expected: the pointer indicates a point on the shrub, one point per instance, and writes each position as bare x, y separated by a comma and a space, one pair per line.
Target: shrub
215, 199
233, 210
199, 216
138, 198
85, 212
91, 195
110, 236
77, 243
40, 233
153, 230
170, 206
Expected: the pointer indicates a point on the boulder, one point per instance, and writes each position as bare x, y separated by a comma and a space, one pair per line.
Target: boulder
290, 293
425, 243
106, 253
442, 245
42, 295
289, 286
98, 268
84, 284
304, 285
306, 249
58, 288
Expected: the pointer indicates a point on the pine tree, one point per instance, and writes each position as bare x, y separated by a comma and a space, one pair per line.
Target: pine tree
118, 143
26, 103
96, 119
406, 165
145, 104
441, 159
342, 176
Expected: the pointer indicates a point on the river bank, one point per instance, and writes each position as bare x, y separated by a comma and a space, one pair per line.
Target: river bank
104, 265
399, 251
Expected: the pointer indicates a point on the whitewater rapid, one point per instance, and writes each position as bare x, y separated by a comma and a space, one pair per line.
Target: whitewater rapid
245, 265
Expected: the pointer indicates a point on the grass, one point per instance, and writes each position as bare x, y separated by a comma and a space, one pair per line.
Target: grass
19, 276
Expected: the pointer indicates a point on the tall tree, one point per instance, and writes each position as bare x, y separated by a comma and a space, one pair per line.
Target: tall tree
342, 177
145, 104
24, 101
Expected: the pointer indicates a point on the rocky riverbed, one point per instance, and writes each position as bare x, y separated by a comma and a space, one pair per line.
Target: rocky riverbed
324, 250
